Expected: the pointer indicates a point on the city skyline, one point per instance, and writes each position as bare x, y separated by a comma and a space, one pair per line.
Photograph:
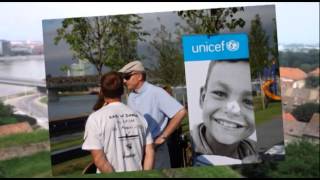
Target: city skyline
30, 29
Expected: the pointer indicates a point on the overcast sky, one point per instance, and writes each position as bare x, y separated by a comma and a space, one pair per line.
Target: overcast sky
296, 22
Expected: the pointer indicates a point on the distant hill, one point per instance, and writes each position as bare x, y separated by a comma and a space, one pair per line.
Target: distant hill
298, 47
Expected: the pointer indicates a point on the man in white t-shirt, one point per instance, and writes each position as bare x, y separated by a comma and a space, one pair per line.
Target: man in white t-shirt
118, 137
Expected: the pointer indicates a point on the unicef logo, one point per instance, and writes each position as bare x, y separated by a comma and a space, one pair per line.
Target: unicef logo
233, 45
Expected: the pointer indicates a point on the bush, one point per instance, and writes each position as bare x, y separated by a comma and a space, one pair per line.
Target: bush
256, 170
301, 160
312, 82
5, 110
7, 120
304, 112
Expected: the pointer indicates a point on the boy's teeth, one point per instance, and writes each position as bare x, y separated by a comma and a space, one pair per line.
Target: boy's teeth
227, 124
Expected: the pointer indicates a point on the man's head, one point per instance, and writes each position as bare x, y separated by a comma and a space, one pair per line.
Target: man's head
226, 101
112, 85
133, 75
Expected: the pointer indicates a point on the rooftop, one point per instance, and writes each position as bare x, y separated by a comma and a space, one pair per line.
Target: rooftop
292, 73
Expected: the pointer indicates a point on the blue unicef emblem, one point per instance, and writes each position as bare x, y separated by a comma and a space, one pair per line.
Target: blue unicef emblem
233, 45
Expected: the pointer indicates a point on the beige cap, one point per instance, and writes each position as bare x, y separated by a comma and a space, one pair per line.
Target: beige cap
132, 66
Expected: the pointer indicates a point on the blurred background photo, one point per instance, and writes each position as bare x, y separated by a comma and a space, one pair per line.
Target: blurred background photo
24, 136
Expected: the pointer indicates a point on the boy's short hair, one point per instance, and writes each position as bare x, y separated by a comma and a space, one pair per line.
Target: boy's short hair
212, 63
112, 85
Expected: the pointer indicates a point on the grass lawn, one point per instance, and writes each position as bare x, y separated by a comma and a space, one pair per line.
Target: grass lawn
37, 165
24, 138
7, 120
44, 100
66, 143
146, 174
197, 172
202, 172
72, 167
257, 103
273, 110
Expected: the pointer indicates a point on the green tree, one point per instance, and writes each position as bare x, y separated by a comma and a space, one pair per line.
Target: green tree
258, 47
65, 68
211, 21
296, 59
103, 41
274, 48
170, 65
305, 112
312, 82
5, 110
306, 67
126, 32
259, 50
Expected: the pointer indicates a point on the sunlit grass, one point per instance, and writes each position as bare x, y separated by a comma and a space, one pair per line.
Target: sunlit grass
20, 139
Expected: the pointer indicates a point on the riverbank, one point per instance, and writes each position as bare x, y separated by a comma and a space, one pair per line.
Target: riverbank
29, 105
12, 91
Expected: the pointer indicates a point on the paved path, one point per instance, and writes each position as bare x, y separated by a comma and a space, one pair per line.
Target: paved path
24, 150
270, 133
28, 105
7, 90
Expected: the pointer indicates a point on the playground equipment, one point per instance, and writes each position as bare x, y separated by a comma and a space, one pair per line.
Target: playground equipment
265, 88
270, 76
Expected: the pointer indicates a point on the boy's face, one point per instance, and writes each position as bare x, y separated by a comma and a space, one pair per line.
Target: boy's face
227, 102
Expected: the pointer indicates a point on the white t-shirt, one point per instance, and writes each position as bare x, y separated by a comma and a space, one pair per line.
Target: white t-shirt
121, 133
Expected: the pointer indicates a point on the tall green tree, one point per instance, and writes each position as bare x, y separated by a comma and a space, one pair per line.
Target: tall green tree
211, 21
169, 69
127, 31
103, 41
259, 49
274, 48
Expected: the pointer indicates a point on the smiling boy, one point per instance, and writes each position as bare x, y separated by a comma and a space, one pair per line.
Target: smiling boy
227, 111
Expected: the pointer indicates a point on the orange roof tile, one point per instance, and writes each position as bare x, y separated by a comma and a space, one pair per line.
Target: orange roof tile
288, 117
292, 73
